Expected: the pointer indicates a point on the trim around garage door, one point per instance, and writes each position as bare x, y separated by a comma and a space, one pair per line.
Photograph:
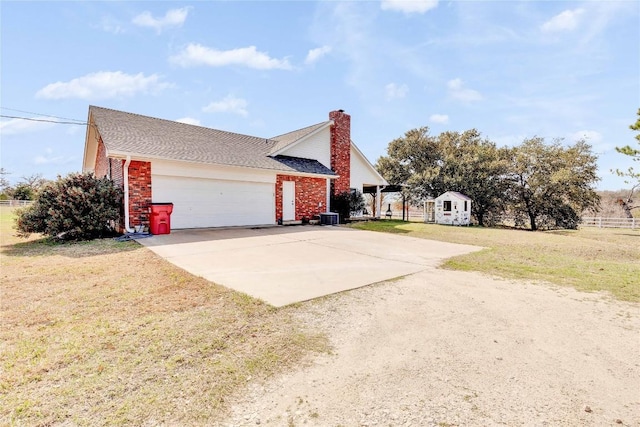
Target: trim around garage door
204, 202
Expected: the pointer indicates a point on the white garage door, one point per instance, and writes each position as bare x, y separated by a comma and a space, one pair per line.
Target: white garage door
199, 203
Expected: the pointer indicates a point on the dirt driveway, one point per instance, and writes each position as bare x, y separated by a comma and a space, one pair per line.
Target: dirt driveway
446, 348
284, 265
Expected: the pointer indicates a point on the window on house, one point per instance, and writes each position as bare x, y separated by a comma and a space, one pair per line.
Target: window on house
465, 205
447, 206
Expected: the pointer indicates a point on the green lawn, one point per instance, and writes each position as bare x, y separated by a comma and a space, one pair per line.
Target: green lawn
589, 259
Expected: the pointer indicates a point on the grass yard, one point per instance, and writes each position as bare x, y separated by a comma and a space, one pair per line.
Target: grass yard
589, 259
107, 333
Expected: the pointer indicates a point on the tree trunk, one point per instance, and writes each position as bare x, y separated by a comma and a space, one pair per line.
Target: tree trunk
480, 217
625, 207
532, 220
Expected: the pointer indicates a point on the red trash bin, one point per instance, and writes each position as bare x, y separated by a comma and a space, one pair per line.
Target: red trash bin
160, 218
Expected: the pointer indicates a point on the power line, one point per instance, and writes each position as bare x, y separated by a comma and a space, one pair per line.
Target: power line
39, 114
44, 120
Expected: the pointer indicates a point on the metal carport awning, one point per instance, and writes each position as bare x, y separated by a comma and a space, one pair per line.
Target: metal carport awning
373, 190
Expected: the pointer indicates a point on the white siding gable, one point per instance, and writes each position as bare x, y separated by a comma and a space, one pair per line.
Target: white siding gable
362, 172
317, 146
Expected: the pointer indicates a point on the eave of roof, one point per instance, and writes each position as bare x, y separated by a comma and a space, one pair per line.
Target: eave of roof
457, 194
311, 166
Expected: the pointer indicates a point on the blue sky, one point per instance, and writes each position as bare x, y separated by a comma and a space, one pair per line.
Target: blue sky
510, 69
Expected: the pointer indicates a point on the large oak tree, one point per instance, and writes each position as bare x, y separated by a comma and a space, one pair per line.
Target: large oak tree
544, 185
552, 184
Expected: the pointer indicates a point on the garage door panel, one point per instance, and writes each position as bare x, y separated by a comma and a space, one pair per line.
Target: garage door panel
215, 203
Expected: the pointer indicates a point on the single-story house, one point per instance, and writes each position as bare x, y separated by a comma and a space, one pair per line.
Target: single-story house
453, 208
216, 178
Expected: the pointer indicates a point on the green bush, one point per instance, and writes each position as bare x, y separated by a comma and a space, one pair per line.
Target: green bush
23, 192
76, 207
347, 203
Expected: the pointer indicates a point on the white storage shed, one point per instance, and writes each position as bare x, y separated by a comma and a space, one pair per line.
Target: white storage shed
453, 208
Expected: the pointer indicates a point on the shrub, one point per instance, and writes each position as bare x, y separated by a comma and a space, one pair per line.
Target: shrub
347, 203
23, 192
77, 207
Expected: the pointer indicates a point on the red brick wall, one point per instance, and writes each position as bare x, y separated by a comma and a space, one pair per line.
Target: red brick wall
341, 150
108, 167
102, 162
310, 192
112, 168
117, 171
139, 192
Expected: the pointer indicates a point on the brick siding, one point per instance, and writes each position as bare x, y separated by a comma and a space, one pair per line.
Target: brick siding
311, 196
341, 151
139, 192
117, 171
139, 184
102, 162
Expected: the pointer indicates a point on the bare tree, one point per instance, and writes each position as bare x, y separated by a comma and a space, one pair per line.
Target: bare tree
34, 181
4, 182
627, 203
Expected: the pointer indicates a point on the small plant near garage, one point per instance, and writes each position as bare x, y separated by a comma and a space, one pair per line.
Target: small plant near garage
76, 207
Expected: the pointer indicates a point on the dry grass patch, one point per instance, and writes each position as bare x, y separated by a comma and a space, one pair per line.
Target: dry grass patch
589, 259
107, 333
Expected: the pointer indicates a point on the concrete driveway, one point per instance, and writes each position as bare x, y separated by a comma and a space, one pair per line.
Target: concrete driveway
284, 265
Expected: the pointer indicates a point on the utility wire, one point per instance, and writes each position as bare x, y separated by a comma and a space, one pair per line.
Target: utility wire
44, 120
38, 114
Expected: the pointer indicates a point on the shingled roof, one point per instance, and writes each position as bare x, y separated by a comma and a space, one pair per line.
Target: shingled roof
133, 134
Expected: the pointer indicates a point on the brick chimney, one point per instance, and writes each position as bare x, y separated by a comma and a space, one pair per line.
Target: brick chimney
340, 151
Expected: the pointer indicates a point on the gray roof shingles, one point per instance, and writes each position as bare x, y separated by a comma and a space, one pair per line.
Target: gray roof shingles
305, 165
128, 133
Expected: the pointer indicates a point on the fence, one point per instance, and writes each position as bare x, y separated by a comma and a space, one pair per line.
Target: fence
15, 202
413, 215
600, 222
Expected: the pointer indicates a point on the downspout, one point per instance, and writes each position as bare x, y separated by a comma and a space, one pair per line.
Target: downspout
126, 195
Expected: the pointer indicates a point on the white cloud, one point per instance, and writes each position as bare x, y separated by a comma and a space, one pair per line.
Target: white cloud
409, 6
111, 25
19, 126
174, 18
49, 159
43, 160
509, 140
196, 54
394, 91
564, 21
189, 121
315, 54
459, 92
103, 84
439, 118
229, 104
593, 138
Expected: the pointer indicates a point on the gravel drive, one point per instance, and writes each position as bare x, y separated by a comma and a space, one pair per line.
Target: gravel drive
448, 348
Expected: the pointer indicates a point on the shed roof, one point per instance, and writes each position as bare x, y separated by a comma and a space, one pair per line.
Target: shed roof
134, 134
456, 194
